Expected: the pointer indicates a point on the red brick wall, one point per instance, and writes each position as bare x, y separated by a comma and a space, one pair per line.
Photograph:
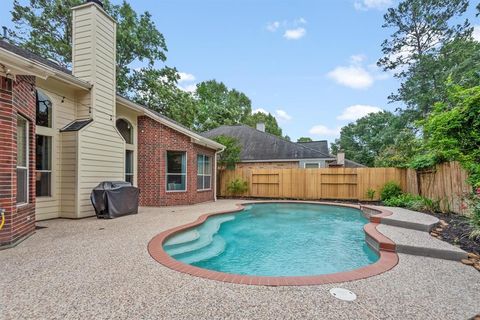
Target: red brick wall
154, 140
16, 97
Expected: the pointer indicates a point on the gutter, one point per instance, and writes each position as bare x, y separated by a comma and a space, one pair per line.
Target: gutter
32, 67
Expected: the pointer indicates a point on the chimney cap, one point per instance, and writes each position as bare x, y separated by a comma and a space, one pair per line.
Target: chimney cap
99, 2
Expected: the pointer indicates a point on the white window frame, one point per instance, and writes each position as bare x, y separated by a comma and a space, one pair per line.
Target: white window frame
306, 163
131, 174
204, 175
51, 164
176, 174
27, 163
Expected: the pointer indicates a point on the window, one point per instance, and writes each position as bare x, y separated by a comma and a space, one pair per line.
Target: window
129, 166
204, 172
22, 160
176, 171
312, 165
43, 166
126, 130
44, 110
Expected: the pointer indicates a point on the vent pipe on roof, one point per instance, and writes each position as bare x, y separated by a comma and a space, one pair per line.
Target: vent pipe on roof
5, 36
261, 126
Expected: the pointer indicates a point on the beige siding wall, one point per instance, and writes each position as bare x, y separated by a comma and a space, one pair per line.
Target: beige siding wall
63, 113
68, 174
101, 148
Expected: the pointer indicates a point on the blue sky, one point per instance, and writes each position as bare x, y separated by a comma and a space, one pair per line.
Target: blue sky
310, 63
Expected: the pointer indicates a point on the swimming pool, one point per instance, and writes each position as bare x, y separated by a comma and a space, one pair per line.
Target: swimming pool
276, 240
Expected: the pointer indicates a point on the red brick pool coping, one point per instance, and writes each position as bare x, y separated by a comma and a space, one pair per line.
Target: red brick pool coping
384, 246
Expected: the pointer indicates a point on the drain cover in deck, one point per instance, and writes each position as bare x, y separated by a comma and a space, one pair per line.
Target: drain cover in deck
343, 294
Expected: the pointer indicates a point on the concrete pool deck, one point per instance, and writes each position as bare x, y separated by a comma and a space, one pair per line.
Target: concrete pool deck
82, 269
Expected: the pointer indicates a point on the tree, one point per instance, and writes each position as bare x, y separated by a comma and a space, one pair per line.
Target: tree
231, 155
421, 29
287, 137
218, 105
365, 139
271, 124
304, 139
45, 27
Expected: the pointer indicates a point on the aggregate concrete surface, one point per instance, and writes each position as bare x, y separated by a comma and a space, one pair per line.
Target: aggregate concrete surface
101, 269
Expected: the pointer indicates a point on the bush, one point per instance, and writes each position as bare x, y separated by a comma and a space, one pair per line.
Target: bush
237, 186
474, 206
416, 203
390, 190
371, 193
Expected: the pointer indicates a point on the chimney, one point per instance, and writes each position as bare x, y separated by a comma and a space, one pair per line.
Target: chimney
261, 126
341, 158
94, 57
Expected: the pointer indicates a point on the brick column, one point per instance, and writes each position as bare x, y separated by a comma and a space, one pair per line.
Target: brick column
16, 97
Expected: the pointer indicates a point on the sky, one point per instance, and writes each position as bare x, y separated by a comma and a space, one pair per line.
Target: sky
311, 63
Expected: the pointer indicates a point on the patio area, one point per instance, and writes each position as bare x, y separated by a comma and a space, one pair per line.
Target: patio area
89, 268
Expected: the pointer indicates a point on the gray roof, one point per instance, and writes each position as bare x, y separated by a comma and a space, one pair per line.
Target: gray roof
259, 145
321, 145
76, 125
32, 56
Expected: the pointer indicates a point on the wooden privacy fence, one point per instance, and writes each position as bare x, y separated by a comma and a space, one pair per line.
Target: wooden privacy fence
446, 183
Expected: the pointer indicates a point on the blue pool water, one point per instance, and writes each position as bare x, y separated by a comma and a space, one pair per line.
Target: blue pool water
277, 239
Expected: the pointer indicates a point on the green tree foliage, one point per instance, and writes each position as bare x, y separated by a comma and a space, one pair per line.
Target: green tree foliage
271, 124
422, 28
304, 139
452, 131
218, 105
231, 155
45, 27
366, 139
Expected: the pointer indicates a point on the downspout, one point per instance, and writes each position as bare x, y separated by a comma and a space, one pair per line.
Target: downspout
216, 174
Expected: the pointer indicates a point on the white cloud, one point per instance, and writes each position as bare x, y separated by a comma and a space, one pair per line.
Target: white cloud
273, 26
189, 88
300, 20
357, 111
294, 34
322, 130
355, 77
476, 32
261, 110
357, 58
372, 4
186, 77
282, 115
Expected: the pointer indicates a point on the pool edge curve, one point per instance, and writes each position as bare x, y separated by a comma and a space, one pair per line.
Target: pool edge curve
384, 246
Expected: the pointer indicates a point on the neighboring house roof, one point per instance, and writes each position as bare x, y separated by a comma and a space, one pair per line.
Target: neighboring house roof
349, 164
321, 145
259, 145
67, 75
76, 125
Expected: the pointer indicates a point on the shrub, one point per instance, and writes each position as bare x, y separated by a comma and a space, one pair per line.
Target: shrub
474, 205
416, 203
371, 193
237, 186
390, 190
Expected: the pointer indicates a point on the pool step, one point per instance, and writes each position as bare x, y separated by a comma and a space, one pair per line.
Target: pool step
215, 248
206, 232
182, 238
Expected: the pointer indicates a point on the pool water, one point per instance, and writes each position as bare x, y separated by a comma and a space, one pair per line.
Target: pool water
277, 239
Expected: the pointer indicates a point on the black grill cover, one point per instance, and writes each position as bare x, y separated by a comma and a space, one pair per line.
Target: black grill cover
113, 199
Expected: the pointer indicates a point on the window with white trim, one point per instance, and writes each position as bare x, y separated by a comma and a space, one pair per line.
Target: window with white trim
22, 160
176, 171
43, 172
44, 110
204, 172
312, 165
129, 166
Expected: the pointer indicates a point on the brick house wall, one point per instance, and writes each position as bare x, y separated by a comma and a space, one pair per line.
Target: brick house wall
16, 98
154, 140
